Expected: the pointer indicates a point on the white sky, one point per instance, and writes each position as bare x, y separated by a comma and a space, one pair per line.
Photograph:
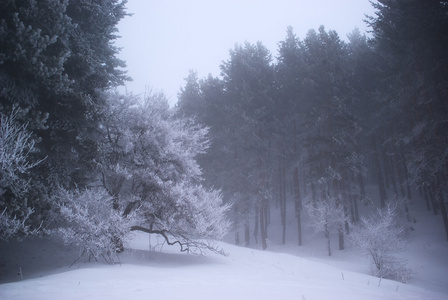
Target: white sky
164, 39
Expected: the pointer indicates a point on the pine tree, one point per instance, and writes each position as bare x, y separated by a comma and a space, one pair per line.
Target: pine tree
55, 58
411, 38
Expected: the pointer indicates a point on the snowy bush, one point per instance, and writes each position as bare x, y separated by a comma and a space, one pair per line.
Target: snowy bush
383, 240
92, 224
11, 225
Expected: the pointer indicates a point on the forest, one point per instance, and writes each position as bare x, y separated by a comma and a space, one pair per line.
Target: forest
325, 118
309, 128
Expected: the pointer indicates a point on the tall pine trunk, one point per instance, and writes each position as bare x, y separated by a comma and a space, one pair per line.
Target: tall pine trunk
298, 205
247, 232
282, 194
401, 183
444, 216
339, 203
441, 203
379, 173
257, 218
263, 224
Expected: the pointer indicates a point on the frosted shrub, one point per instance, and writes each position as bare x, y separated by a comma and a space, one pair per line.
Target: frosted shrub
383, 240
11, 225
92, 224
16, 145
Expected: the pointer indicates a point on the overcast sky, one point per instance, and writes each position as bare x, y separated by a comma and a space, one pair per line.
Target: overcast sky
164, 39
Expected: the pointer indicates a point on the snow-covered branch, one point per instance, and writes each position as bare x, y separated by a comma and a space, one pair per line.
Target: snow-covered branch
16, 145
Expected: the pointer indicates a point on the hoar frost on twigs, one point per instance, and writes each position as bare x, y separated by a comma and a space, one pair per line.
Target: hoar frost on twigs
326, 216
326, 209
92, 224
383, 240
195, 218
16, 145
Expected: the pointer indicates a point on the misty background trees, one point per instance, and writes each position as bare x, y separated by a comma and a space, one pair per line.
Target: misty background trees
326, 118
323, 128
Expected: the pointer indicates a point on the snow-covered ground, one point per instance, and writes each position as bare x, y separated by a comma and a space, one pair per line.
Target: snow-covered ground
285, 272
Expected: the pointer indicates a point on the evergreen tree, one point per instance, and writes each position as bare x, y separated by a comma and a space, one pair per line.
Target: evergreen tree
411, 37
331, 125
248, 78
55, 58
289, 112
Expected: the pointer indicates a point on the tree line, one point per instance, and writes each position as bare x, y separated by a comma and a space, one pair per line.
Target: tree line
324, 119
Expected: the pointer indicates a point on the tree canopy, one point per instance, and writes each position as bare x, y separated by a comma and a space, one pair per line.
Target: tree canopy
329, 117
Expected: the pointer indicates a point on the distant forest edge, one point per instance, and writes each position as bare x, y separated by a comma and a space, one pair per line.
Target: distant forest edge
315, 125
328, 117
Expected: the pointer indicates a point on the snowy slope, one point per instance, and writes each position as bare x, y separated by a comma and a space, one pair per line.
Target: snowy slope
284, 272
244, 274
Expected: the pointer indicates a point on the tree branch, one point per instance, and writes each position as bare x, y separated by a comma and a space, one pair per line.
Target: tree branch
183, 246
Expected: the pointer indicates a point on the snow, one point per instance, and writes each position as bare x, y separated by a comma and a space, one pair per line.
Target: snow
284, 272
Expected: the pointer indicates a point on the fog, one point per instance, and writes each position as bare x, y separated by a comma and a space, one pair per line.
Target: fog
164, 39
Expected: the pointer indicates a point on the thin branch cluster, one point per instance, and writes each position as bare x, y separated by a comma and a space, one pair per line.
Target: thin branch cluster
92, 224
16, 145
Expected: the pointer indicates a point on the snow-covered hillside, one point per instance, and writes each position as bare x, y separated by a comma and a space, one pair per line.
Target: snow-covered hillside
245, 274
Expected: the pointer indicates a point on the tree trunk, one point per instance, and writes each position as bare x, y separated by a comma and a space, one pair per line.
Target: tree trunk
362, 191
282, 195
425, 194
266, 212
263, 231
387, 169
406, 177
435, 205
235, 224
393, 176
247, 232
444, 216
341, 237
400, 177
352, 208
441, 203
345, 194
298, 205
402, 190
379, 173
256, 224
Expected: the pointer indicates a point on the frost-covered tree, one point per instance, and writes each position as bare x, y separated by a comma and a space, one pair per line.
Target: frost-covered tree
248, 77
148, 161
326, 211
16, 145
382, 238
